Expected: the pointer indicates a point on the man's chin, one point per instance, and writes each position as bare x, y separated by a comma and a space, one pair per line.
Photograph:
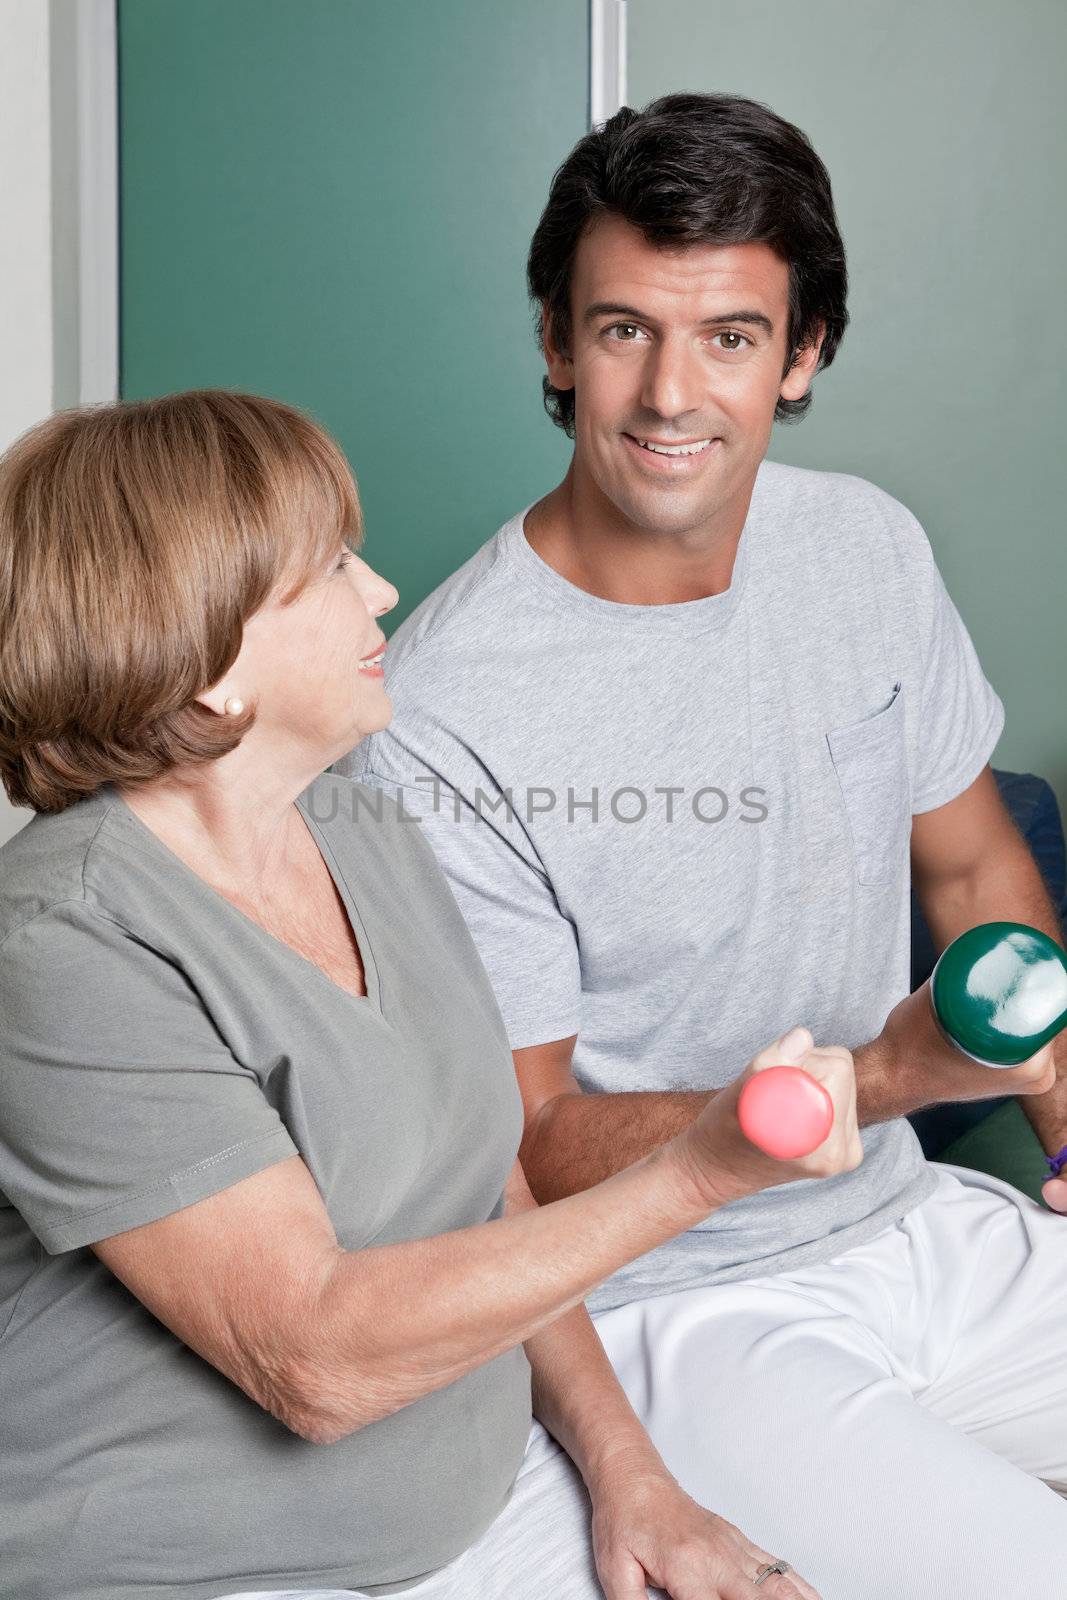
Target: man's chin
669, 510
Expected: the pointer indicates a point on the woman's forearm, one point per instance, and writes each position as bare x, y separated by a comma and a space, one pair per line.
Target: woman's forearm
394, 1322
579, 1399
576, 1393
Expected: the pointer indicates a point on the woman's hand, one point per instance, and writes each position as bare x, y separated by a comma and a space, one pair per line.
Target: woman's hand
727, 1166
648, 1531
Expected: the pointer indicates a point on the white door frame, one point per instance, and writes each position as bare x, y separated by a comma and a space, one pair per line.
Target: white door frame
83, 51
85, 175
607, 59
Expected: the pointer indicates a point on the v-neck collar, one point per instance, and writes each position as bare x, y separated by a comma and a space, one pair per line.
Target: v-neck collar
371, 978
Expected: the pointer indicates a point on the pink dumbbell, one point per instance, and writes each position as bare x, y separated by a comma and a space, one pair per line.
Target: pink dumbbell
785, 1112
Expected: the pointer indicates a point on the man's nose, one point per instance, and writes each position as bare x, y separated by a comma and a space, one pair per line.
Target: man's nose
675, 381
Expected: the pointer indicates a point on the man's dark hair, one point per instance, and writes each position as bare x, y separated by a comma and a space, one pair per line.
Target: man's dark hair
698, 169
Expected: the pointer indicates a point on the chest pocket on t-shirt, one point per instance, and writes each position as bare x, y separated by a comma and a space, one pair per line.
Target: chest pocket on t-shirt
870, 759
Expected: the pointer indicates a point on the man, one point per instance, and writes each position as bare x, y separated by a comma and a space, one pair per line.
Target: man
674, 733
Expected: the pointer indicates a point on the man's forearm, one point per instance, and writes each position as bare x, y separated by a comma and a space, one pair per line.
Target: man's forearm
1008, 889
577, 1140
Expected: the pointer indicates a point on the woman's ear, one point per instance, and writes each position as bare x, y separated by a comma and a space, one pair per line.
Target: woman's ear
222, 698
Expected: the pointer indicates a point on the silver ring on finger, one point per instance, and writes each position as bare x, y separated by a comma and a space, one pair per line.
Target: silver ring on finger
771, 1566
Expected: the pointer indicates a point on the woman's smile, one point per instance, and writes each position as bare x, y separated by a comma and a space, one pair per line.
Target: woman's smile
371, 666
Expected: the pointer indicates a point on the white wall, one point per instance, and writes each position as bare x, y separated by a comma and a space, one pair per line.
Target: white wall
58, 219
26, 351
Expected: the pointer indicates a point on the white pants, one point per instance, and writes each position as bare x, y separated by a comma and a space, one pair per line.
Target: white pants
892, 1422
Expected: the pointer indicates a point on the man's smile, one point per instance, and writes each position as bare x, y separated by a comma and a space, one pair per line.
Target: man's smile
684, 457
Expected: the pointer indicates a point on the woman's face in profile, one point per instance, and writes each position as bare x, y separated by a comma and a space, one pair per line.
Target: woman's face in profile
301, 662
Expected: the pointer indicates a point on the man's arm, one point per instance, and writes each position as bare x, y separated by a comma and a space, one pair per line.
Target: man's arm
970, 865
572, 1140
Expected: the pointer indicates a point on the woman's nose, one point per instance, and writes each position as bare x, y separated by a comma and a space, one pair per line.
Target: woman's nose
383, 596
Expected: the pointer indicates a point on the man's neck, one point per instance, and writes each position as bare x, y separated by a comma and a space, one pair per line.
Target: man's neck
588, 541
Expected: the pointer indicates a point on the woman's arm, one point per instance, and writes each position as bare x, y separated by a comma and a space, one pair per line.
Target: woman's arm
645, 1527
482, 1290
576, 1394
329, 1340
326, 1339
478, 1292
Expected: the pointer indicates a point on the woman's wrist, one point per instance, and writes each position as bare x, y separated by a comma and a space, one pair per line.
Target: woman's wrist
703, 1185
625, 1456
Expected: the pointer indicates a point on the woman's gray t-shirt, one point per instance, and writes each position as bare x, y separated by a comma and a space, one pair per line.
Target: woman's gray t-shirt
158, 1046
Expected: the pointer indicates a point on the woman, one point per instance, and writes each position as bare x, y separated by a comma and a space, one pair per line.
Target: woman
273, 1289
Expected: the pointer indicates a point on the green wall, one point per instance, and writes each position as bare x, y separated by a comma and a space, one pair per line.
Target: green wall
330, 201
943, 128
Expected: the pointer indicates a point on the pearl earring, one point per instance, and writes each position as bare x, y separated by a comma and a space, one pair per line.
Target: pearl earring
234, 707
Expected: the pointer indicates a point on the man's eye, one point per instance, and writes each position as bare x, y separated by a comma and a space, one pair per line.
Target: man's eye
626, 333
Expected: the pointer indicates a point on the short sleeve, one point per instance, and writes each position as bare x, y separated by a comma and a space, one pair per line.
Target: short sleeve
119, 1100
527, 945
961, 716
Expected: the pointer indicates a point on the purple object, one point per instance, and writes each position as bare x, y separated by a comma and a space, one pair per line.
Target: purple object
1057, 1162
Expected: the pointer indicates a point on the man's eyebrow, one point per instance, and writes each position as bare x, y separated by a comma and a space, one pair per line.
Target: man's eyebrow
606, 308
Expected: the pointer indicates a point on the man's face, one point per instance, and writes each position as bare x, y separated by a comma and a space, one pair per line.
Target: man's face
660, 353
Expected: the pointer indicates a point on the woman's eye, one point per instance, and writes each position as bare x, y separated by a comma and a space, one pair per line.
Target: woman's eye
343, 562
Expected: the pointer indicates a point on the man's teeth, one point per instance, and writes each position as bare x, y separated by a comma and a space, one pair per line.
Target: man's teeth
675, 449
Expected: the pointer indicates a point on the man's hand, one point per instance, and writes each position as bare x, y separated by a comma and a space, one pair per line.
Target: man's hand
647, 1529
970, 864
915, 1054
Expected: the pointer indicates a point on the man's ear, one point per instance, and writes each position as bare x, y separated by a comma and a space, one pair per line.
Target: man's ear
797, 380
560, 367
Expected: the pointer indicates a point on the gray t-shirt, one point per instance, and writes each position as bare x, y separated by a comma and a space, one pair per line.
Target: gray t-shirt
157, 1046
708, 833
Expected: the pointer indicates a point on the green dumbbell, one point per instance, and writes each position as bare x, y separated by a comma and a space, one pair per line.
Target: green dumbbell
999, 992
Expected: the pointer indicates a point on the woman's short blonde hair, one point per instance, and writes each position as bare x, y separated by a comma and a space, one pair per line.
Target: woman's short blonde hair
136, 540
